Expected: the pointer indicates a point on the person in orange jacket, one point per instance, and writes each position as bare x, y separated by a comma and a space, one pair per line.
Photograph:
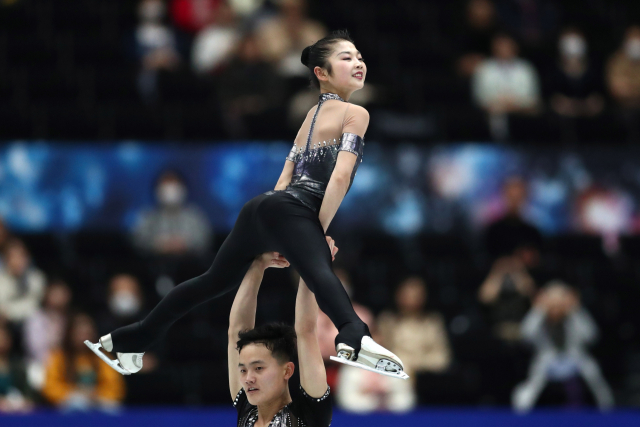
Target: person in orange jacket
75, 380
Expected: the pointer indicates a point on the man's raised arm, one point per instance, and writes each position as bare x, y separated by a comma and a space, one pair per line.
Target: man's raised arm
313, 376
243, 310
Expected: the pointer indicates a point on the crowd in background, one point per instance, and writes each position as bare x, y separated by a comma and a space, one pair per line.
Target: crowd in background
534, 71
557, 88
45, 320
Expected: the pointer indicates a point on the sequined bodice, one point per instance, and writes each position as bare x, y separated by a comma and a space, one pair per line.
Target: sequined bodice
302, 411
314, 163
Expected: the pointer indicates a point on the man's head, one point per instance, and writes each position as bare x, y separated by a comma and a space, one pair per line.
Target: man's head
125, 295
171, 190
411, 295
266, 355
504, 47
514, 191
16, 257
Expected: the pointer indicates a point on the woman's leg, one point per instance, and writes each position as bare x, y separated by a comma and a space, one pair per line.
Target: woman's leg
295, 231
225, 274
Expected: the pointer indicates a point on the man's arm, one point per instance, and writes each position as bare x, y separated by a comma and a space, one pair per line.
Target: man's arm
243, 310
313, 377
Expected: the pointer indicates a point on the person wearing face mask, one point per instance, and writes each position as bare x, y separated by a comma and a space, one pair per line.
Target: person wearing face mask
623, 81
124, 302
174, 227
575, 85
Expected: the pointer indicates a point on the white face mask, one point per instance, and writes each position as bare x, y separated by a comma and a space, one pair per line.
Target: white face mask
124, 304
171, 194
632, 48
573, 45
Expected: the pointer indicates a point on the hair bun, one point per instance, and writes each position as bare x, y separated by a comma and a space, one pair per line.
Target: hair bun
305, 56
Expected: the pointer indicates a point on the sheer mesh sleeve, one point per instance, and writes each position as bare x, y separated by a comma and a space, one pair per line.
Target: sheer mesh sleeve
356, 120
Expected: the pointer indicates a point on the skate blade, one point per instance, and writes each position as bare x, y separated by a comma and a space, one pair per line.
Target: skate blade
400, 374
115, 364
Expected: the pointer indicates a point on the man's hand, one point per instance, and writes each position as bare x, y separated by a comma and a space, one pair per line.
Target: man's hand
270, 259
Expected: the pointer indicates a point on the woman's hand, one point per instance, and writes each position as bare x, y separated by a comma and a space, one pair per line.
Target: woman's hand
332, 247
270, 259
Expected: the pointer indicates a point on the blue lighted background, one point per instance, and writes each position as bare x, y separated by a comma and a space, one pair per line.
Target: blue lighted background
403, 189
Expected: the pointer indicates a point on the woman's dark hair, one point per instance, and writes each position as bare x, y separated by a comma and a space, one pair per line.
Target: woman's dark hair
318, 53
70, 348
279, 338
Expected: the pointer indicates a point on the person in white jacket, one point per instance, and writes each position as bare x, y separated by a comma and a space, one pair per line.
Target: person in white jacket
21, 284
560, 330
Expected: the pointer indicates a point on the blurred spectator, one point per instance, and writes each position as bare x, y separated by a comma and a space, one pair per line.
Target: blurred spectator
623, 79
474, 39
532, 21
250, 92
560, 329
44, 331
418, 337
507, 293
13, 387
173, 227
505, 84
214, 44
76, 380
246, 8
125, 305
362, 391
155, 45
21, 284
192, 16
4, 238
283, 37
575, 87
512, 232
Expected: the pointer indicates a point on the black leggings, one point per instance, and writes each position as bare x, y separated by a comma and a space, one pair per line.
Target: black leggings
274, 221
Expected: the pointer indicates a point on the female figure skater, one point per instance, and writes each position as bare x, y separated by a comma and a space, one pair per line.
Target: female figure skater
292, 220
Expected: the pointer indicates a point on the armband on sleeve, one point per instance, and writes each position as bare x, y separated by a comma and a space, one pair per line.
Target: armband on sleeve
352, 143
292, 153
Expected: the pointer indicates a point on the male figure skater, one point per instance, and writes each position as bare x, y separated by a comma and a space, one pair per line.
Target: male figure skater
261, 360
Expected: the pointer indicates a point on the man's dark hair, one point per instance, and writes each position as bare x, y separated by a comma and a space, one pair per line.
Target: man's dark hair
279, 338
318, 53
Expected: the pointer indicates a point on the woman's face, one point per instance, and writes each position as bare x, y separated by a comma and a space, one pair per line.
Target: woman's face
58, 296
348, 70
83, 329
411, 297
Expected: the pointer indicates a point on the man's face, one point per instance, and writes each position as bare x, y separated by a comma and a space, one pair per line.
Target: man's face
261, 375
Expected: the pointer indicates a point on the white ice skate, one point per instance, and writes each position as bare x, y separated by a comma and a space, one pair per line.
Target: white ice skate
126, 363
372, 357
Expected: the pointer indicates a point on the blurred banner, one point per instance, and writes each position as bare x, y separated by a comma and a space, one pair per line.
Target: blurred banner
404, 189
448, 418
